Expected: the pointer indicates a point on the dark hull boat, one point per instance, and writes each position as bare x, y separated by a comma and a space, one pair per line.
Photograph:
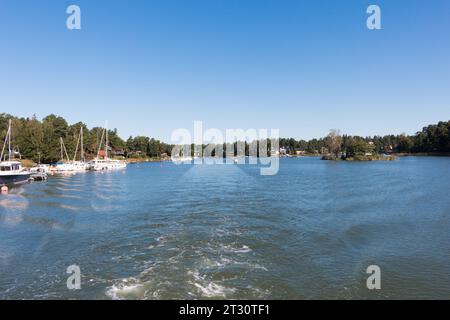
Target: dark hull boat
11, 171
12, 179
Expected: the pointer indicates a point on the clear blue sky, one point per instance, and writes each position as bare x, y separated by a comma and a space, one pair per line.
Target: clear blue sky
302, 66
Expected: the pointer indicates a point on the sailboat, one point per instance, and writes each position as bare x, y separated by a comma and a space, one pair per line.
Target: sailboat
80, 165
63, 165
11, 171
98, 164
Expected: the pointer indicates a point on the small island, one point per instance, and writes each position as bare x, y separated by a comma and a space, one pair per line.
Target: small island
350, 148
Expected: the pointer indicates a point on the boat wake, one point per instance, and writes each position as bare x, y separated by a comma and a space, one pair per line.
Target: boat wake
180, 270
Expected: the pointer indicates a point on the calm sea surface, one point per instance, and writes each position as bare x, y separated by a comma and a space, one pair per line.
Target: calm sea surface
166, 231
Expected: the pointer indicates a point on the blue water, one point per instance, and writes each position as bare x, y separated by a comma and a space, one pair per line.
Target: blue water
166, 231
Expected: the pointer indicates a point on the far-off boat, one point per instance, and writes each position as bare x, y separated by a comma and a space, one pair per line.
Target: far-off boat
99, 164
80, 165
72, 166
11, 171
63, 166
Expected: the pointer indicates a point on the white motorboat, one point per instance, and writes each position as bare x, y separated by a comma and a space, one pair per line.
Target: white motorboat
107, 164
42, 168
11, 171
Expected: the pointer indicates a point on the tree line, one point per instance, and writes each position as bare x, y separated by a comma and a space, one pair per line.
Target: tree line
39, 140
431, 139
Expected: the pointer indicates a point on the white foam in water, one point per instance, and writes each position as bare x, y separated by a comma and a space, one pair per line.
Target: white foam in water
235, 249
208, 288
244, 249
126, 290
224, 262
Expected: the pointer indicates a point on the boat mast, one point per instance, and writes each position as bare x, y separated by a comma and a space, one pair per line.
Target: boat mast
100, 144
106, 143
62, 152
9, 140
3, 155
65, 150
4, 144
80, 139
82, 149
76, 149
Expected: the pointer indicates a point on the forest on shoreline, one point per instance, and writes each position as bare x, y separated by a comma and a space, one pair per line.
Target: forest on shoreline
38, 140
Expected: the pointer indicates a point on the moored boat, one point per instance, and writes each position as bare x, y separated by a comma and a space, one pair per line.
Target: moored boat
40, 168
99, 164
39, 176
67, 165
11, 171
107, 164
80, 165
62, 165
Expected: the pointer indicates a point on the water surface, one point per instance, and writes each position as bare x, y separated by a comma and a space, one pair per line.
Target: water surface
166, 231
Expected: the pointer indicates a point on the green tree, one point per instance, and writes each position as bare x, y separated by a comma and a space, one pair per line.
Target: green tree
333, 142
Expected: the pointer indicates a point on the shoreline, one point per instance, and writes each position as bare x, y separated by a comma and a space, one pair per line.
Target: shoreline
141, 160
423, 154
28, 163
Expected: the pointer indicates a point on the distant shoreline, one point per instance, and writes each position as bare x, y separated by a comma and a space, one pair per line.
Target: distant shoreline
424, 154
39, 141
28, 163
153, 159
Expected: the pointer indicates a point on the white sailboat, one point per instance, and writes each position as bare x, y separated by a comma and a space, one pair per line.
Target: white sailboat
63, 166
80, 165
11, 171
72, 166
98, 164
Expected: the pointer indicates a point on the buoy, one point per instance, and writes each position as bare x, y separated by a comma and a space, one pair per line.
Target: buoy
5, 190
